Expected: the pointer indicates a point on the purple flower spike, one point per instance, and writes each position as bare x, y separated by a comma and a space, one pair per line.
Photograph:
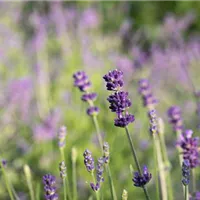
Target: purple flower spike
186, 172
175, 118
119, 101
190, 147
100, 169
114, 80
146, 93
142, 179
93, 110
124, 120
81, 81
89, 97
62, 136
49, 182
88, 160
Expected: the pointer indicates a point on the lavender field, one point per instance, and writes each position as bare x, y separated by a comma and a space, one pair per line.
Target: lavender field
99, 101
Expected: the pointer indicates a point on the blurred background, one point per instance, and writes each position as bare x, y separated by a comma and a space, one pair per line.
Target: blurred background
42, 44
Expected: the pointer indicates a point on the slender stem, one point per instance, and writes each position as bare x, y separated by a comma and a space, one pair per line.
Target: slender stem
65, 181
193, 180
38, 191
98, 132
161, 169
7, 183
179, 153
74, 180
64, 186
136, 160
96, 192
112, 188
186, 192
156, 170
167, 165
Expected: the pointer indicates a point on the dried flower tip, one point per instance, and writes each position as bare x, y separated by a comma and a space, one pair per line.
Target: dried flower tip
186, 172
100, 169
62, 136
74, 154
153, 122
106, 152
124, 195
63, 169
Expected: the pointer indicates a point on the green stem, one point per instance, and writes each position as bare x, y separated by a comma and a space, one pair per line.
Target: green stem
161, 169
193, 180
94, 181
38, 191
186, 192
179, 153
65, 181
136, 160
156, 170
74, 180
98, 132
112, 188
167, 165
7, 183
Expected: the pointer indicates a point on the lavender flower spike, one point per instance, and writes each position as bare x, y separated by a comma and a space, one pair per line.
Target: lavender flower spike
62, 136
114, 80
190, 147
81, 81
174, 114
88, 160
99, 178
145, 91
63, 169
186, 172
119, 101
142, 179
106, 152
49, 182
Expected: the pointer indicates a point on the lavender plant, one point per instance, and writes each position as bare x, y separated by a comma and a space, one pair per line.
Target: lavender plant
119, 103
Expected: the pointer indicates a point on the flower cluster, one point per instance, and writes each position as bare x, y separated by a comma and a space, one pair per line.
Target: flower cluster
175, 118
62, 136
141, 179
106, 152
119, 101
49, 182
88, 160
190, 147
153, 122
63, 169
145, 91
99, 175
82, 82
89, 163
186, 172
